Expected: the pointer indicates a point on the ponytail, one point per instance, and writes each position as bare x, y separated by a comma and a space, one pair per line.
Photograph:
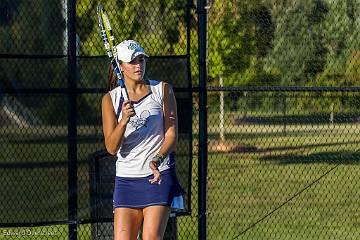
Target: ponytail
112, 80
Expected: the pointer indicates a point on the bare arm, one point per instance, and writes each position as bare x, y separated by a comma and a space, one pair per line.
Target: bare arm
170, 121
113, 131
170, 129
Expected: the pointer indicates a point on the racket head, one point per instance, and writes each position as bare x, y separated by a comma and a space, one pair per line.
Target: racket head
106, 31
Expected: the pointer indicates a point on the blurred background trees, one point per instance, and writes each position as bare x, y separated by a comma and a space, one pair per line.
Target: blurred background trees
251, 42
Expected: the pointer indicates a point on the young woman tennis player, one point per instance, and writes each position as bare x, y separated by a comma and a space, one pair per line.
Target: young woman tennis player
142, 132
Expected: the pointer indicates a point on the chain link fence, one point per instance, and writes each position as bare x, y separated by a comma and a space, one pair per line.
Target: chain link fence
53, 186
283, 165
283, 117
283, 121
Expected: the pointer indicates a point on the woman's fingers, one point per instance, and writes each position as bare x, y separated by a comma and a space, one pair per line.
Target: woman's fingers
127, 105
131, 110
127, 110
157, 177
156, 172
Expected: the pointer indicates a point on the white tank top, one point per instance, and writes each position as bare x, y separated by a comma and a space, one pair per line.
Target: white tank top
144, 133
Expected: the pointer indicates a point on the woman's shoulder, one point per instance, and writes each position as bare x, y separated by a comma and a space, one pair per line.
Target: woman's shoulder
106, 98
153, 82
159, 84
114, 93
115, 90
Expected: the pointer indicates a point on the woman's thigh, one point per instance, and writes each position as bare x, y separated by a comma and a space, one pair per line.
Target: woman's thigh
126, 223
155, 220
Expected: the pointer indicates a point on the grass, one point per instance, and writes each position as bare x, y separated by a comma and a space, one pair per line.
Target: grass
282, 189
285, 188
242, 195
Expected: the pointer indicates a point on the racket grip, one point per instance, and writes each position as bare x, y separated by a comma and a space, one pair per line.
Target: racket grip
123, 89
121, 83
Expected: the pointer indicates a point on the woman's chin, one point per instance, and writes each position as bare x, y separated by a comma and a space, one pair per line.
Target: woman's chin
138, 78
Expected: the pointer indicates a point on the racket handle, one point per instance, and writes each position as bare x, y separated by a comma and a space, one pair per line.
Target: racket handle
123, 89
120, 80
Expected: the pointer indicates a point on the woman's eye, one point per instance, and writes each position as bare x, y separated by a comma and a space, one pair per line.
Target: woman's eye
137, 61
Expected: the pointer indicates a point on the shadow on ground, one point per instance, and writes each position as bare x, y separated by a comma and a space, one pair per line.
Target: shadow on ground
341, 157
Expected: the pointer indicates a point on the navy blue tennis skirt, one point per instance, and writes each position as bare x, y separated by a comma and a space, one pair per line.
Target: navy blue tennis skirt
139, 193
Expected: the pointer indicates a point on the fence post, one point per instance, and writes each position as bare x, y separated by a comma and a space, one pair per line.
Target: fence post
222, 120
203, 137
284, 105
72, 122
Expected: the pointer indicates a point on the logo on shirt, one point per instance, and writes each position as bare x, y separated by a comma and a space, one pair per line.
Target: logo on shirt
140, 121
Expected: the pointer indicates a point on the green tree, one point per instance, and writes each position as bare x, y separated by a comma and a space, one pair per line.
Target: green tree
27, 29
33, 28
341, 37
231, 42
155, 24
298, 53
240, 35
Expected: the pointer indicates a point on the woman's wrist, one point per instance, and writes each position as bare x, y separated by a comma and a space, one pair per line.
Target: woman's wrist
123, 122
158, 159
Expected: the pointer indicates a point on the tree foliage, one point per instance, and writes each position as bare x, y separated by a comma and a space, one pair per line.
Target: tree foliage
155, 24
341, 39
251, 42
27, 29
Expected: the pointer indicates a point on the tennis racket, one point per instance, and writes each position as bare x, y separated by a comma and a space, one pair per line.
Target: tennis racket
110, 46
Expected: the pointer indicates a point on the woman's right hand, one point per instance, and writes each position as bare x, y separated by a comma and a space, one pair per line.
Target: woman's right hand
157, 175
127, 111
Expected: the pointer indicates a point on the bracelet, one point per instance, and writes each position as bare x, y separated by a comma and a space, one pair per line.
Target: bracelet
158, 159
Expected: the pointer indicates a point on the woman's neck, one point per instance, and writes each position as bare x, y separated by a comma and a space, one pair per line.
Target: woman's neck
135, 86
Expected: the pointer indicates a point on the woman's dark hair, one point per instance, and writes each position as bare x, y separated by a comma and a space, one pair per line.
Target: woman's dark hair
112, 80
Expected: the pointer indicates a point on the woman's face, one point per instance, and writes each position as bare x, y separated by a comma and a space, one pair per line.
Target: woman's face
135, 69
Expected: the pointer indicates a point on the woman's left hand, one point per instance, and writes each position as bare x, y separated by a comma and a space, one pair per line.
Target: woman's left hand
156, 172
